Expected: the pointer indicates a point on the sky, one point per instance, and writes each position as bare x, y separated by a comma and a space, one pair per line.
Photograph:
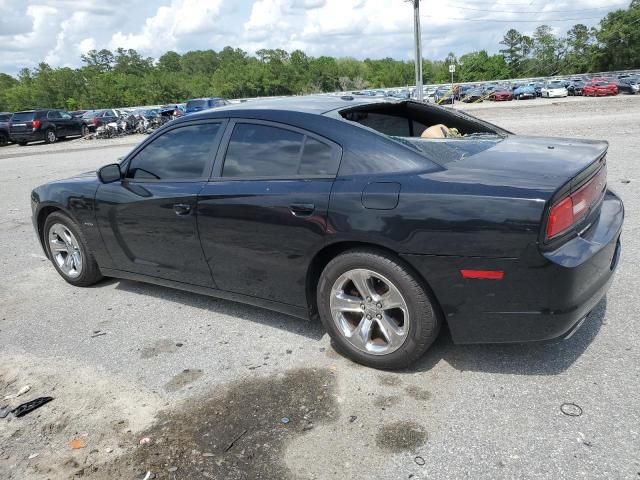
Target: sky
59, 31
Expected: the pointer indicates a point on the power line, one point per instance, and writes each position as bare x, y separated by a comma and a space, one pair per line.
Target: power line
530, 11
496, 20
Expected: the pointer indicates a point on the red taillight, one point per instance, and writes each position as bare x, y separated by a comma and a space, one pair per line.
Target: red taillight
95, 121
35, 124
570, 210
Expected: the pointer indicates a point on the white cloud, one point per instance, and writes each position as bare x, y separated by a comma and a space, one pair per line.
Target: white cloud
162, 31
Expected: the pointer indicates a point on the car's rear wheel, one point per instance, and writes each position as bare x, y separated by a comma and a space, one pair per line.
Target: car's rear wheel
50, 136
85, 131
4, 139
375, 310
68, 251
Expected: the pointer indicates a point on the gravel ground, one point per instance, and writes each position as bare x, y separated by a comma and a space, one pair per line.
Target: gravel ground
223, 390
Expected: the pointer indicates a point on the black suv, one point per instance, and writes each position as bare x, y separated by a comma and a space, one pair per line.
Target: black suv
47, 125
4, 128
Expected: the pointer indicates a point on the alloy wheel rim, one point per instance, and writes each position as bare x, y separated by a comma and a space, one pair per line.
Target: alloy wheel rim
51, 136
65, 250
369, 311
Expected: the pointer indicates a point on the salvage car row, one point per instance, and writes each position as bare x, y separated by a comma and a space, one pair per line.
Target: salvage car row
51, 124
596, 86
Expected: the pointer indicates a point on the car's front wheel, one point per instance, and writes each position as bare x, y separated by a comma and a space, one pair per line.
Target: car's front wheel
375, 310
68, 251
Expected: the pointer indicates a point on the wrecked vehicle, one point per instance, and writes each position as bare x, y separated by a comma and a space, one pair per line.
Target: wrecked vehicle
337, 207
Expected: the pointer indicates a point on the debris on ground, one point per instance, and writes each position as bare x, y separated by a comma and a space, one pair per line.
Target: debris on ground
22, 410
233, 442
77, 443
20, 392
145, 441
419, 460
98, 334
4, 411
284, 420
33, 455
625, 180
353, 418
571, 409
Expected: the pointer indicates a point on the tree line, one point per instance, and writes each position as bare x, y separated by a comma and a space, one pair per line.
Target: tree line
125, 77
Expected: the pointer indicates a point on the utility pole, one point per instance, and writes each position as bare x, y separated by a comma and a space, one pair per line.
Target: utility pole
418, 40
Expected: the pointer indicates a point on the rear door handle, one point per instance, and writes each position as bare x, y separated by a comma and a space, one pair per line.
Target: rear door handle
182, 209
302, 209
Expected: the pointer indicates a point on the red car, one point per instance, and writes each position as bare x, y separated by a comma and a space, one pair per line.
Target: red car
599, 88
501, 96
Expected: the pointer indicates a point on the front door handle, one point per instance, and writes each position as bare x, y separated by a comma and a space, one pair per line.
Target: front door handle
182, 209
302, 209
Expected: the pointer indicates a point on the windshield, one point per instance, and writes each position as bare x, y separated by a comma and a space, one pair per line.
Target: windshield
196, 103
555, 85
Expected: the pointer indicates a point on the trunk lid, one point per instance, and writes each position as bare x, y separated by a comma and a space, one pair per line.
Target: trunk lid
539, 164
22, 122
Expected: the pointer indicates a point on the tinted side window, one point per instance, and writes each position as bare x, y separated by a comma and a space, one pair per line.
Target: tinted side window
318, 159
262, 151
53, 115
179, 154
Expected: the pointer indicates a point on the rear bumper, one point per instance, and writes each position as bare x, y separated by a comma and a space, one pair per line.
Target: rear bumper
542, 295
27, 136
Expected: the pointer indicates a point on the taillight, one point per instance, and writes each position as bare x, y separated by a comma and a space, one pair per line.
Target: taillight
95, 121
567, 212
35, 124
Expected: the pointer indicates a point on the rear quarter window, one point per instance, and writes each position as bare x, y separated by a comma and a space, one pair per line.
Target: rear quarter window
268, 151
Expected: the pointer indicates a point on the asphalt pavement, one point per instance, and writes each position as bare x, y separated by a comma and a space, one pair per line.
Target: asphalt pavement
224, 390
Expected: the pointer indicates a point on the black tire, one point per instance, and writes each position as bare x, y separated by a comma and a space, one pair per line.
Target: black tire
90, 272
50, 136
84, 131
22, 143
424, 312
4, 139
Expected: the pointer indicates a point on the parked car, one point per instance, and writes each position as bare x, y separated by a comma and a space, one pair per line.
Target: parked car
554, 89
48, 125
338, 208
443, 95
575, 88
501, 95
630, 85
473, 96
599, 88
523, 92
199, 104
4, 128
78, 113
97, 118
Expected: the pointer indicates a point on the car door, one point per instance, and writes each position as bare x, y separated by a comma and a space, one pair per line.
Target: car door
72, 125
55, 120
264, 212
148, 220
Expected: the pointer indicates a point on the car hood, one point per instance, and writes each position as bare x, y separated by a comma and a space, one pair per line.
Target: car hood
538, 164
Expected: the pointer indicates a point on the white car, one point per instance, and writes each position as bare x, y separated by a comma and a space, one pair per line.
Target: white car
554, 90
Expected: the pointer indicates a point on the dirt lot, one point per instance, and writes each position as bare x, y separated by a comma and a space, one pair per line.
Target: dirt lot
228, 391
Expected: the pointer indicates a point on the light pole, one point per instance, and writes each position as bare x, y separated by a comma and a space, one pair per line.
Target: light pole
418, 40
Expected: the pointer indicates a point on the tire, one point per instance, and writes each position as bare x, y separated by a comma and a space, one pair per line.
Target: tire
4, 139
416, 323
22, 143
50, 136
84, 131
82, 270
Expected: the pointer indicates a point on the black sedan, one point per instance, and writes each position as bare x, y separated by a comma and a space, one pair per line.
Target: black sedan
338, 208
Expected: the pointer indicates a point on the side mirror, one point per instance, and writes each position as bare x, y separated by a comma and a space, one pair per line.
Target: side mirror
110, 173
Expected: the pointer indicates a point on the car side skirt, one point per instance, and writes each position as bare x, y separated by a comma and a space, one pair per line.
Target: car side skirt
292, 310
